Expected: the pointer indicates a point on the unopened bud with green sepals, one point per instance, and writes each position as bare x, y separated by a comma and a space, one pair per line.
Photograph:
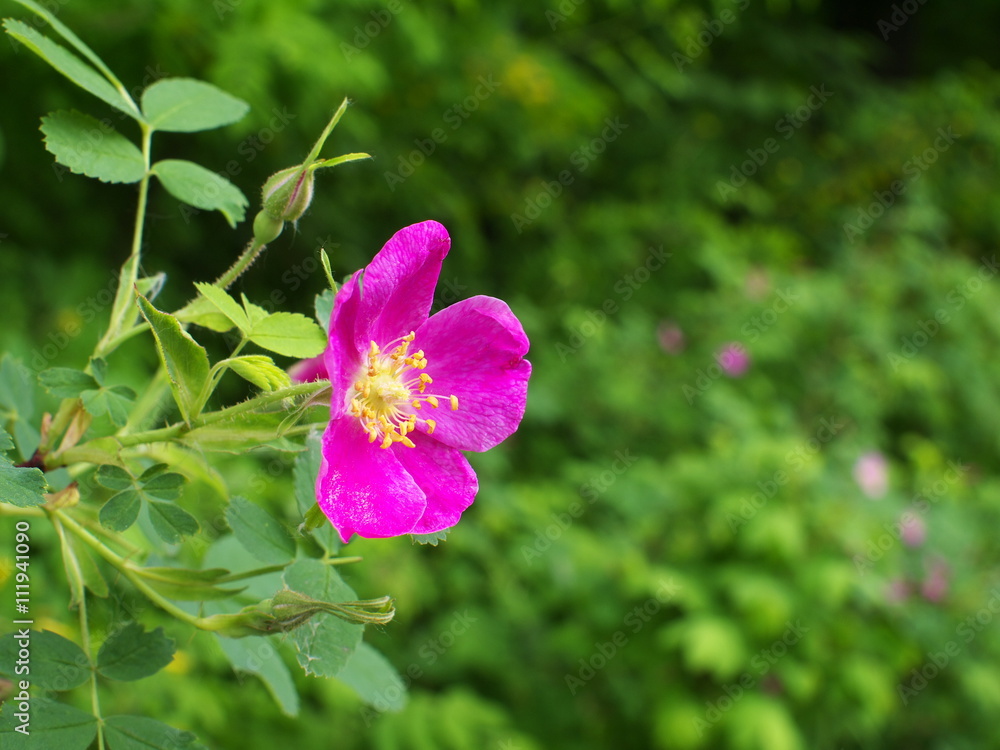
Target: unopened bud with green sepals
287, 194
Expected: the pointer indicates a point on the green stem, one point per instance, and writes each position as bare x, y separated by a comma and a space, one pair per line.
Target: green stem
253, 251
73, 568
164, 434
278, 568
127, 570
130, 270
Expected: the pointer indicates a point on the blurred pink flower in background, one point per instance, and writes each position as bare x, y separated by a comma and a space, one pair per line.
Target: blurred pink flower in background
871, 472
671, 337
734, 359
913, 530
935, 585
897, 591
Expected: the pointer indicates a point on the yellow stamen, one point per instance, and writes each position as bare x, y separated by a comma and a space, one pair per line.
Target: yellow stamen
389, 390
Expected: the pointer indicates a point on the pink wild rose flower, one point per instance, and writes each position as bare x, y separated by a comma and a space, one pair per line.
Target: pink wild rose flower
410, 392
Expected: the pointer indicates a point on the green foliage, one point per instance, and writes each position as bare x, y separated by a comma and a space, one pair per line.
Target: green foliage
259, 532
325, 643
201, 188
55, 663
91, 148
184, 105
53, 725
185, 360
21, 486
141, 733
130, 653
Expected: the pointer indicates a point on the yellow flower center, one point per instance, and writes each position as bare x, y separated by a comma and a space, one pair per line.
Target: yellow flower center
390, 389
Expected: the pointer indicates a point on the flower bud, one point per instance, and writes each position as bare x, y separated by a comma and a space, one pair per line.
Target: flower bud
266, 228
287, 194
289, 609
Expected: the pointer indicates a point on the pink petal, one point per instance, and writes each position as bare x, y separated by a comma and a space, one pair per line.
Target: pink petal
475, 350
397, 288
309, 370
446, 477
363, 489
342, 357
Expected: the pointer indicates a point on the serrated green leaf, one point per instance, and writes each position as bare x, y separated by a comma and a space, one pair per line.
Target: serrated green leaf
64, 382
66, 33
21, 486
71, 66
164, 486
201, 188
261, 657
255, 313
113, 477
290, 334
259, 370
140, 733
6, 441
121, 511
130, 653
89, 147
53, 725
185, 360
203, 313
185, 105
171, 522
189, 585
259, 532
432, 539
115, 402
304, 475
56, 663
324, 308
374, 679
325, 643
219, 299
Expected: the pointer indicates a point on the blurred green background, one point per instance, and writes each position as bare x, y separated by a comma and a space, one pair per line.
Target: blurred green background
679, 548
